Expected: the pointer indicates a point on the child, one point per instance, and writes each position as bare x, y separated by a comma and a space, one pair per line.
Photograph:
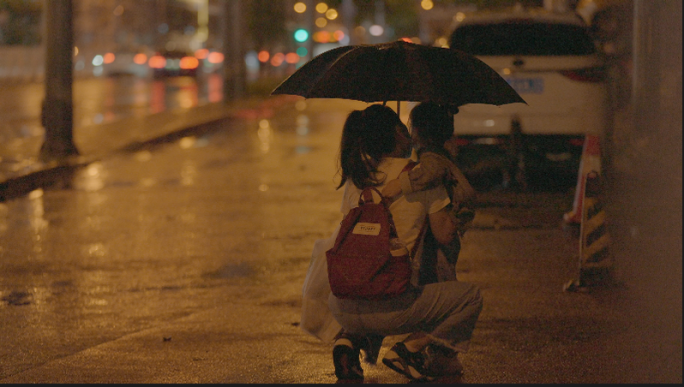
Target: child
431, 131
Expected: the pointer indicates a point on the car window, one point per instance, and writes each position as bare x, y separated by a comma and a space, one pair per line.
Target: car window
522, 39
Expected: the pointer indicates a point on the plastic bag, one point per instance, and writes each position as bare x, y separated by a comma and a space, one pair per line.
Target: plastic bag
316, 318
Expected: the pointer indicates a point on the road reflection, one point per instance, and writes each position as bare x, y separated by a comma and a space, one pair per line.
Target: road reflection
96, 101
102, 100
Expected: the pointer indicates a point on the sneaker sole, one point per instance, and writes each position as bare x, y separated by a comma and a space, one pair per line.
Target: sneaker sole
404, 369
343, 359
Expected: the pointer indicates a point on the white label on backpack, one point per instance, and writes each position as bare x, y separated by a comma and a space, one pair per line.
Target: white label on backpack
367, 228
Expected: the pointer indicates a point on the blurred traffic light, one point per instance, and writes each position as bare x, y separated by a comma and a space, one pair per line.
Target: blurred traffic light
302, 51
301, 35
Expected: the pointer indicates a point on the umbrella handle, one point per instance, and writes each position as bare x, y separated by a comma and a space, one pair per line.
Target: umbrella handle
384, 103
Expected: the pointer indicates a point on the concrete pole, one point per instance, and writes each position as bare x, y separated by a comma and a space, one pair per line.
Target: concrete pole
310, 16
348, 15
648, 183
657, 79
657, 61
57, 109
234, 68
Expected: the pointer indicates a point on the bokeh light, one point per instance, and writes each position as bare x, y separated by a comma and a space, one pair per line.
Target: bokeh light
291, 57
376, 30
201, 53
263, 56
140, 58
215, 57
108, 57
300, 7
427, 4
331, 14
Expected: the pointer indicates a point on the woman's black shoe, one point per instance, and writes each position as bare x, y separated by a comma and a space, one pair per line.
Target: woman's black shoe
347, 364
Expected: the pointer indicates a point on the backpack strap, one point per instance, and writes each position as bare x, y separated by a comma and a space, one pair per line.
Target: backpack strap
367, 197
409, 166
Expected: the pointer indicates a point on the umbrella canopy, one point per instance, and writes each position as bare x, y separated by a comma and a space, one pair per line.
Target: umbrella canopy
399, 71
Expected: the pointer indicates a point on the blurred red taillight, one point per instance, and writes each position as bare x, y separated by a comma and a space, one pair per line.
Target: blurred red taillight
140, 58
157, 62
201, 53
189, 63
217, 57
589, 74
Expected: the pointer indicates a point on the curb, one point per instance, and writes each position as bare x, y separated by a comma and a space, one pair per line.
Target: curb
98, 141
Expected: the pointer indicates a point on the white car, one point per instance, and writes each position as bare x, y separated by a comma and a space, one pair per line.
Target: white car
551, 60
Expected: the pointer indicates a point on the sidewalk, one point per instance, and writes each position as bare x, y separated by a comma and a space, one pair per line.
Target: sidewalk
96, 141
108, 274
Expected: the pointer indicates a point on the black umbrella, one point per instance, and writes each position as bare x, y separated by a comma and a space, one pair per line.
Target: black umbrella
399, 71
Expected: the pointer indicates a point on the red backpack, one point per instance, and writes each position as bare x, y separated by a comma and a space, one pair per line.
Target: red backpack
368, 261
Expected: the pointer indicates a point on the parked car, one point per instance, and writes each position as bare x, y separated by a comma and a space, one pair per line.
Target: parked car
551, 60
173, 64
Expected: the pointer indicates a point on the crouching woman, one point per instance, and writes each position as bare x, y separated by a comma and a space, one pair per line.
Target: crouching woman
439, 317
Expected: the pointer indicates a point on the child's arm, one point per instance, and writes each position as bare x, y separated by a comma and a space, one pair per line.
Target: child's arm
451, 146
429, 173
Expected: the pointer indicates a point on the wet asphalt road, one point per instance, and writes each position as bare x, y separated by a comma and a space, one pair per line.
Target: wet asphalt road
182, 262
96, 101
